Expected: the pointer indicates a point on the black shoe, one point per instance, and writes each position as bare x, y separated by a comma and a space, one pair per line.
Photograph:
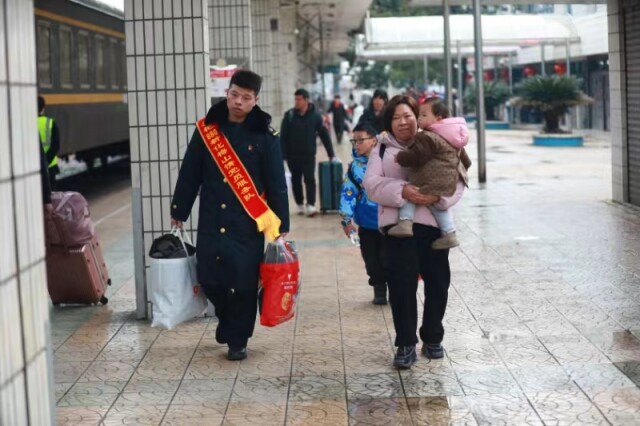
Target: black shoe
433, 350
237, 354
380, 294
405, 357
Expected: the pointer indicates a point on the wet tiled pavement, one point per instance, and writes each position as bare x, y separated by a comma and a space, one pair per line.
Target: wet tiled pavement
542, 327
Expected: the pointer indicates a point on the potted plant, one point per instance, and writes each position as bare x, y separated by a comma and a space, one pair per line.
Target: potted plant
496, 93
552, 96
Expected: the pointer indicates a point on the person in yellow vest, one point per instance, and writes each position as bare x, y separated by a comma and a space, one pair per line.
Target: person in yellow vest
50, 139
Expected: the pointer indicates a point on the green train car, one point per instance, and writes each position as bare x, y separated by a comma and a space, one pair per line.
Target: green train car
81, 69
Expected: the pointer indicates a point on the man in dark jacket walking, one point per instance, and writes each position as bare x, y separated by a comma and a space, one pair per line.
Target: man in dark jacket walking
229, 247
298, 132
340, 117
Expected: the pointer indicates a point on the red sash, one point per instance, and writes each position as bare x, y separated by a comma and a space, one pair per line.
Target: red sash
239, 179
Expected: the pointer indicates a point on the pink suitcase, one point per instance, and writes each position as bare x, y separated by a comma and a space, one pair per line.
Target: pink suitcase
75, 274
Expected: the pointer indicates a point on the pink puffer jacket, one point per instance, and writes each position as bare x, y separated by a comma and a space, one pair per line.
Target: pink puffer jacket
385, 179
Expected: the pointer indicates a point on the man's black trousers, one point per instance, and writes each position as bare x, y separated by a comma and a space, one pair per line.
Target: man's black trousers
406, 258
303, 169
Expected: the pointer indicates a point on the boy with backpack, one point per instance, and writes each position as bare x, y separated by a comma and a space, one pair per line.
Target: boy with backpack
357, 209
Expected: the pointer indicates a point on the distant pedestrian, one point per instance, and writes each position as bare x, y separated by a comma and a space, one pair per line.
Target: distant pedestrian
300, 127
357, 209
340, 118
50, 140
386, 183
374, 113
234, 162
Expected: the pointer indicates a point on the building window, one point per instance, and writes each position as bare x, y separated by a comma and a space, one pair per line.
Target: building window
66, 47
44, 54
101, 66
114, 61
83, 59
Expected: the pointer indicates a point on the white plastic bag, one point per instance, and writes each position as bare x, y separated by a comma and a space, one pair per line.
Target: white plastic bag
174, 290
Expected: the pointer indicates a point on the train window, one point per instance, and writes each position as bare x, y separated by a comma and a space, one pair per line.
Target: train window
44, 54
66, 47
83, 59
113, 64
101, 68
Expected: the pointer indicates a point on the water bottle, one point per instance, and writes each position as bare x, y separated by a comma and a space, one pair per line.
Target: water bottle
355, 238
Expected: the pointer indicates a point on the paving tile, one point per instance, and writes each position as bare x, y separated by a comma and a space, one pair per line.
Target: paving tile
195, 414
620, 406
491, 380
273, 390
566, 406
502, 409
326, 412
135, 415
212, 368
385, 411
255, 412
80, 416
440, 410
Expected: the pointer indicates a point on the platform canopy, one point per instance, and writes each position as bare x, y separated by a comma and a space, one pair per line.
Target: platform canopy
339, 17
419, 36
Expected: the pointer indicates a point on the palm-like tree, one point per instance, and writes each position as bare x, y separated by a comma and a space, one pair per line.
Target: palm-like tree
496, 93
552, 96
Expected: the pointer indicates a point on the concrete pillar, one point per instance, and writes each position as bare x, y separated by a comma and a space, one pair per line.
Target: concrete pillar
230, 32
26, 372
618, 99
262, 12
167, 77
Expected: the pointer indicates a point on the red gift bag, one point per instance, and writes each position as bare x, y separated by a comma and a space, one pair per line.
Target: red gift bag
279, 283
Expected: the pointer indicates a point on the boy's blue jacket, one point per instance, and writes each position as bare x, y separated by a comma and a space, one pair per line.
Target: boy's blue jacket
355, 206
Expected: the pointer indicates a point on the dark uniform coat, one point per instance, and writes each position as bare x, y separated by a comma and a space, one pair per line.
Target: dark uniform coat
229, 246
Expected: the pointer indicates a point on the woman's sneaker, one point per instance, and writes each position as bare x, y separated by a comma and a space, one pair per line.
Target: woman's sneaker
433, 350
405, 357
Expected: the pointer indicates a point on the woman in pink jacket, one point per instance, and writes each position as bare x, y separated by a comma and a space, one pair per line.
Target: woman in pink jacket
406, 257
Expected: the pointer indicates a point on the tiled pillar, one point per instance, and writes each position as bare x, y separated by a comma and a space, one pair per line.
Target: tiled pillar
262, 11
288, 63
618, 115
26, 395
167, 77
230, 32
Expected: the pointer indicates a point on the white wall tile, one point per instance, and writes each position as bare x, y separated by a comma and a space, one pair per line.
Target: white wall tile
131, 74
134, 145
177, 8
172, 139
180, 71
143, 140
157, 9
139, 38
5, 157
142, 109
170, 70
181, 106
189, 71
188, 35
153, 143
158, 37
133, 109
128, 10
192, 106
148, 9
152, 106
172, 117
178, 40
7, 247
168, 37
162, 109
149, 42
160, 76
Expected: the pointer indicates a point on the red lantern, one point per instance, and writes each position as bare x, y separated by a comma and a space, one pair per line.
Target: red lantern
529, 71
560, 69
487, 75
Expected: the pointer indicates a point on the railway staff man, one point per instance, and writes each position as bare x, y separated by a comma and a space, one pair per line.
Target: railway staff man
50, 139
234, 160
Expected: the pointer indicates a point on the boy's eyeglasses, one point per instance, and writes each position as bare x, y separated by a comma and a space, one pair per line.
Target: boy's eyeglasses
359, 141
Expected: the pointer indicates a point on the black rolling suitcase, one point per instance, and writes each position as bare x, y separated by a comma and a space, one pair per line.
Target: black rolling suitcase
330, 185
